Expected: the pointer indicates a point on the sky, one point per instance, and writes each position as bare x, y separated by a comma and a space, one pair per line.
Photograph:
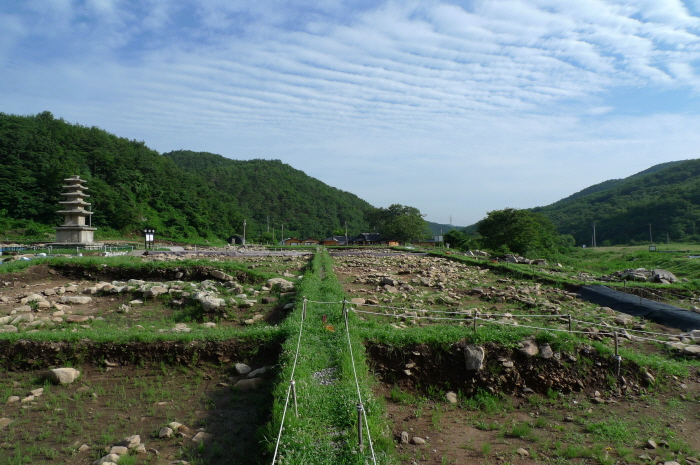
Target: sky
456, 108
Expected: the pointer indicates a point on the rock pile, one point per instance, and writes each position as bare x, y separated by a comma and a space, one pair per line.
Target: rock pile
642, 275
123, 447
35, 310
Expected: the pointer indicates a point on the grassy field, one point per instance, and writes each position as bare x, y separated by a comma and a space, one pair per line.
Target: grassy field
397, 351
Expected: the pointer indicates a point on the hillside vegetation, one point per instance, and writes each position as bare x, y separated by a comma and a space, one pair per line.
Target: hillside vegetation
183, 195
269, 191
666, 196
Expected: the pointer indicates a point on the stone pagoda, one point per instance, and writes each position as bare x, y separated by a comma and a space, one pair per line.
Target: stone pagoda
76, 231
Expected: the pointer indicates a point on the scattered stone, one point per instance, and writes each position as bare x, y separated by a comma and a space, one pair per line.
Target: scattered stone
4, 422
77, 319
114, 458
203, 437
522, 452
221, 275
165, 432
529, 348
417, 440
546, 351
258, 372
130, 442
155, 291
404, 437
84, 448
248, 384
119, 450
650, 444
451, 397
241, 368
78, 300
12, 399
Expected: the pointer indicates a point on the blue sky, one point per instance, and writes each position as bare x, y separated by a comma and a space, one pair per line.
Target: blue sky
456, 108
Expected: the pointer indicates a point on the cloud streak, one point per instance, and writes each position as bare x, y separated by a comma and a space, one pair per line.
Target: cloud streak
457, 108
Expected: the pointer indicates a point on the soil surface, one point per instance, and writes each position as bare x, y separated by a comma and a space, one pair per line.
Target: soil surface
109, 403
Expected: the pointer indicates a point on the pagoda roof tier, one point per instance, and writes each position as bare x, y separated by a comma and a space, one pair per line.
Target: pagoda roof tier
82, 212
73, 178
74, 202
76, 186
76, 227
69, 194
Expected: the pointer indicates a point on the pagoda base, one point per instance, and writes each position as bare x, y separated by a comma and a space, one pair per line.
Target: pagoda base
82, 245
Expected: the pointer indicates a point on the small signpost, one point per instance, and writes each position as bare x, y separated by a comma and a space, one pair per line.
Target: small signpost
149, 237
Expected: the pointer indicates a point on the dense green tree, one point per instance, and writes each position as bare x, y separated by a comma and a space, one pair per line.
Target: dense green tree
399, 222
457, 239
519, 231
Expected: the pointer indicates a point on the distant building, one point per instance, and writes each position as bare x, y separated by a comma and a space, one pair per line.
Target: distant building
334, 240
235, 240
290, 241
367, 239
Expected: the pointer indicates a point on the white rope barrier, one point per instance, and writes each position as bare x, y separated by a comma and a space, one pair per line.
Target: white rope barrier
289, 391
611, 330
357, 385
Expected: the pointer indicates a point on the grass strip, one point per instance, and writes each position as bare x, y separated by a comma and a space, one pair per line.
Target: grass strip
326, 430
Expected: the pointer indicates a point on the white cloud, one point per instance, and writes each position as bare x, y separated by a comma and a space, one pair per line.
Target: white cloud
452, 109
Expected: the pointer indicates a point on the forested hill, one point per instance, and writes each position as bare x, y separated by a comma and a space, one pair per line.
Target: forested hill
133, 186
271, 192
611, 183
666, 196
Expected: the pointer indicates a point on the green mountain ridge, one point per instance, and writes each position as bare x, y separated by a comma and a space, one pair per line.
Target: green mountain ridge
611, 183
664, 198
181, 194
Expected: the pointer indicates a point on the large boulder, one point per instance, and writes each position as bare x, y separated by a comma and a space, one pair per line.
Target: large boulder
154, 291
221, 275
661, 275
62, 375
280, 283
474, 357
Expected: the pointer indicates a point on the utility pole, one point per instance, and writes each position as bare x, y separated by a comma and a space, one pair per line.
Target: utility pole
594, 243
450, 220
651, 241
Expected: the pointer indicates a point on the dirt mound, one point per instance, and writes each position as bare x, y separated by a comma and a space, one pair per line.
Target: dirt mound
423, 368
27, 354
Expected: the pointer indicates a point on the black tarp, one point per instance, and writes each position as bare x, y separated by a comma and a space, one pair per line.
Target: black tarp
667, 315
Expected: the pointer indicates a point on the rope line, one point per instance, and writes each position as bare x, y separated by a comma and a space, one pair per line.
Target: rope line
632, 330
318, 302
289, 390
611, 329
357, 385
